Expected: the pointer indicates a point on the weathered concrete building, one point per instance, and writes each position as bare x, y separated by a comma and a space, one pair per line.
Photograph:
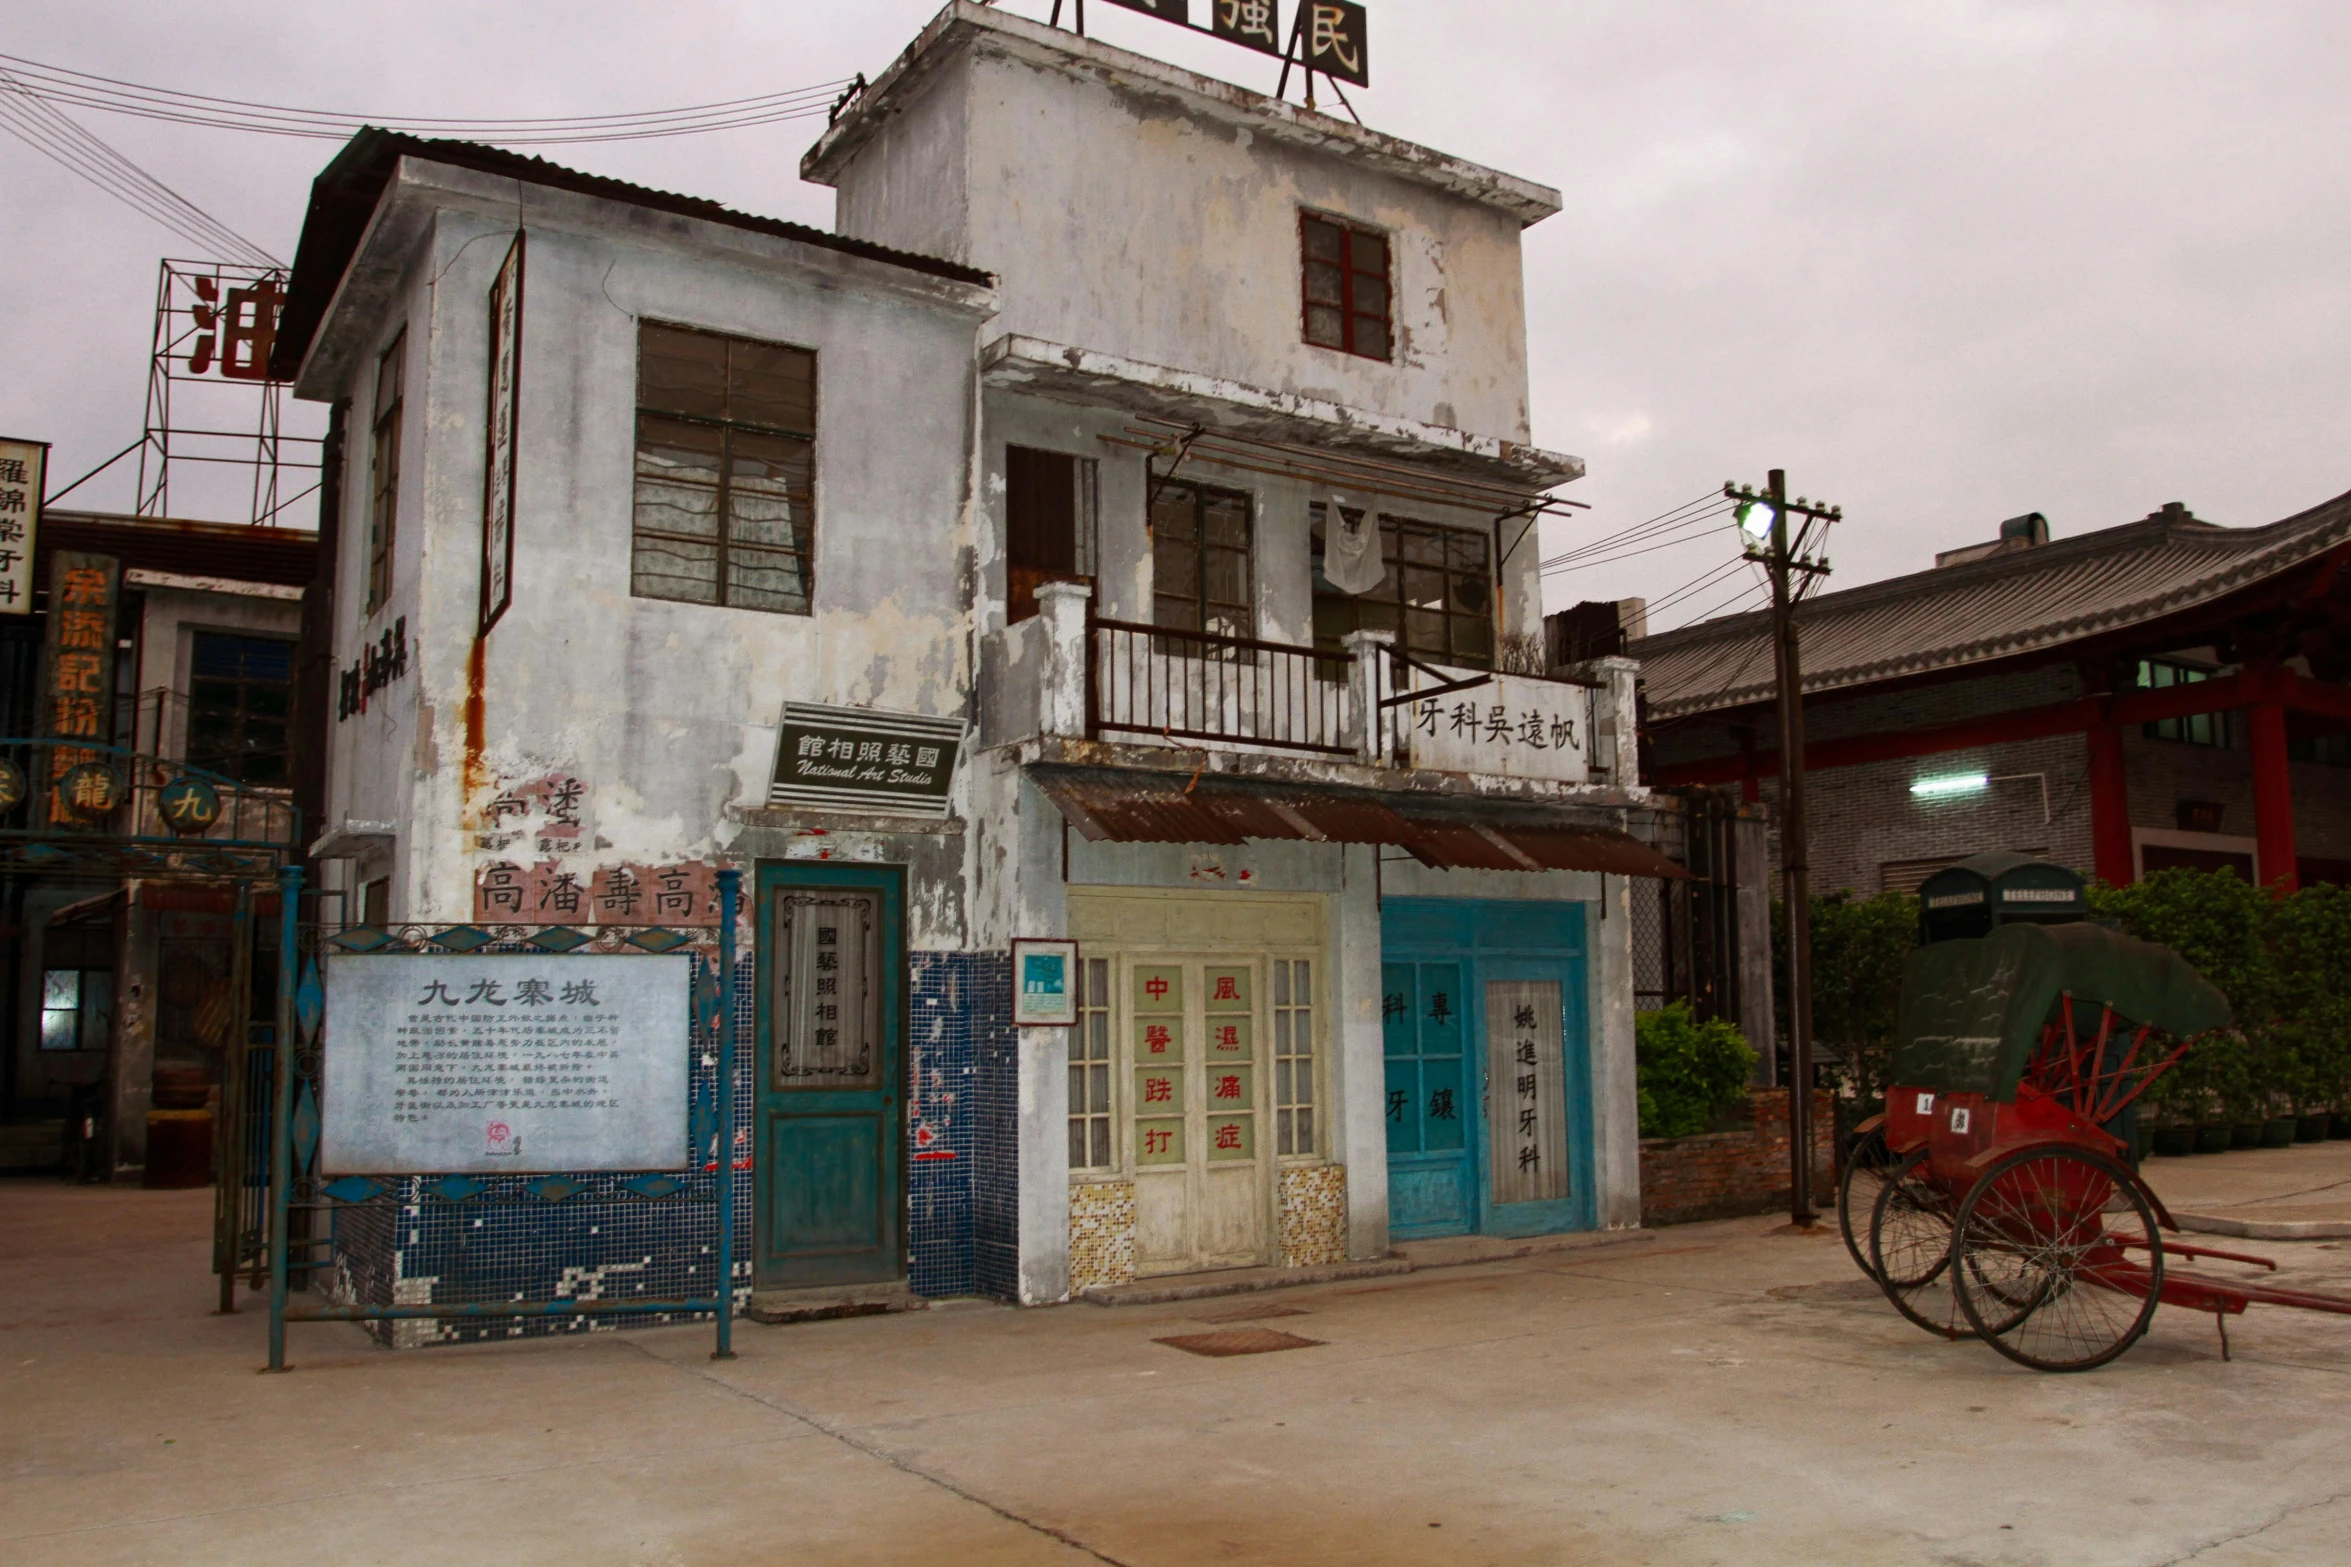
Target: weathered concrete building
1157, 454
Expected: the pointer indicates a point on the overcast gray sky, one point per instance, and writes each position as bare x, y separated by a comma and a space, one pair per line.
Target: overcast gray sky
1944, 260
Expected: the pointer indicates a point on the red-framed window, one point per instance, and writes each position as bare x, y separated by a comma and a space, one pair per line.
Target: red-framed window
1347, 296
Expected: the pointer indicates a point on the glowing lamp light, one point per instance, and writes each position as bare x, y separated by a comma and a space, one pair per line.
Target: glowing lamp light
1950, 784
1755, 519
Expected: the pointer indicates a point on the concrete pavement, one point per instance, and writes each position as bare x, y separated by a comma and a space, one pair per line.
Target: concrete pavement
1720, 1395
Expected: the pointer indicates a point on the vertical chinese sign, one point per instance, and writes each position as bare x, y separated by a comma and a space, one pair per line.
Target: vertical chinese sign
22, 467
78, 672
505, 361
1527, 1129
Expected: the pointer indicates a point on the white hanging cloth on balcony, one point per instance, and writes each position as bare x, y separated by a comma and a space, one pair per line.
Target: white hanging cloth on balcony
1351, 548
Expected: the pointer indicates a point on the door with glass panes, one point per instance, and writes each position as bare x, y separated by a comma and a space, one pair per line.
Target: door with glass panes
1203, 1166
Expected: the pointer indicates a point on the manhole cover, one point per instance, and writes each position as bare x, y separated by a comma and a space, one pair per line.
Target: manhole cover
1255, 1313
1238, 1341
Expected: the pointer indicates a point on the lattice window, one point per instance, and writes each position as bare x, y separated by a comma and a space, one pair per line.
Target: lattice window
1293, 1054
1089, 1070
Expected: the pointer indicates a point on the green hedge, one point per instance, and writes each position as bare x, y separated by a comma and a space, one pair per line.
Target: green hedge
1690, 1072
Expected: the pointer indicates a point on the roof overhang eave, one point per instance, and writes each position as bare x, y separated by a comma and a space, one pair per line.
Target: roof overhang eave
1183, 397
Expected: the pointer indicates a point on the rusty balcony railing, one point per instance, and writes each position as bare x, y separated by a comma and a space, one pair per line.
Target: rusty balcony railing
1197, 686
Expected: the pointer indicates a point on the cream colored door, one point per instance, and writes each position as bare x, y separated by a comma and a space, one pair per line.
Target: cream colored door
1203, 1172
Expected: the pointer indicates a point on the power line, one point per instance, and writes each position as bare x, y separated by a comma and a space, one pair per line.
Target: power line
1697, 528
49, 131
1664, 519
111, 95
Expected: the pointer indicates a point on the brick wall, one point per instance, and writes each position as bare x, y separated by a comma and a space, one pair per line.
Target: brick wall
1722, 1175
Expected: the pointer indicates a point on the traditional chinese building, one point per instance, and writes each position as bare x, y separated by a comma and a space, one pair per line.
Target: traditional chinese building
151, 648
1117, 531
2167, 692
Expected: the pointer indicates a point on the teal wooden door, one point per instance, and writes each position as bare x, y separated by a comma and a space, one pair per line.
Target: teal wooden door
1431, 1086
830, 1204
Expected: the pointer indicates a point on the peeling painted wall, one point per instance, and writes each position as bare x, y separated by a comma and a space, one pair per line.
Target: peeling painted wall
1129, 218
667, 711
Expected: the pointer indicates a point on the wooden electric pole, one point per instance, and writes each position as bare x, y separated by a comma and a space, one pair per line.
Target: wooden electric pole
1782, 555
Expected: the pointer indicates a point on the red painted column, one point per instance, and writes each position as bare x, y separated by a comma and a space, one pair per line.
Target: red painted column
2273, 798
2110, 808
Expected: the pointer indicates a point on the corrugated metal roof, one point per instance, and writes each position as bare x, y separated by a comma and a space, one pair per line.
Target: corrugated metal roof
2021, 602
1447, 833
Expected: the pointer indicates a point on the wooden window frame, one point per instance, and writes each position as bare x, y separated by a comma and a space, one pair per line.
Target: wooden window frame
1295, 1059
1093, 1075
1353, 307
240, 715
1196, 594
1389, 596
722, 542
383, 514
1021, 581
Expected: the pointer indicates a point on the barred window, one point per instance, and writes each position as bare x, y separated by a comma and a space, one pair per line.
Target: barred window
1437, 596
726, 471
1089, 1069
1293, 1054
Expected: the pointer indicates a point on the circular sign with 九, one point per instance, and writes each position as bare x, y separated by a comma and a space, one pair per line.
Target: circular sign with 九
12, 790
90, 790
188, 805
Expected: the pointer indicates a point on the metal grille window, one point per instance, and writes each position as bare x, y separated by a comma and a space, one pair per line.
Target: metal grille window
384, 495
1438, 595
1089, 1070
1346, 286
1202, 566
1293, 1054
240, 691
2155, 674
726, 471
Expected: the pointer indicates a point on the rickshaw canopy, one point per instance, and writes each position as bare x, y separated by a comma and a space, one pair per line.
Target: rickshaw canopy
1972, 1010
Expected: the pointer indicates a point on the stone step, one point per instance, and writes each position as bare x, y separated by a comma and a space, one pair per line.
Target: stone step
1454, 1251
827, 1301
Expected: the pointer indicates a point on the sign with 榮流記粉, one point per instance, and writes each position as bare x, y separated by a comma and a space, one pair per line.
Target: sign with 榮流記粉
509, 1063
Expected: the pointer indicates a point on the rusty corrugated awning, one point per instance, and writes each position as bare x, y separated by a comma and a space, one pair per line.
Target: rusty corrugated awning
1447, 833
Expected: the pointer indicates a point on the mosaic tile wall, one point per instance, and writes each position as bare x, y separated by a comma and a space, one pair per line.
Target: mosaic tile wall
1314, 1215
995, 1167
605, 1243
602, 1243
1101, 1233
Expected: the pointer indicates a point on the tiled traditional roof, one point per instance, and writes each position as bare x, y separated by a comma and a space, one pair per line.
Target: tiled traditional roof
2013, 604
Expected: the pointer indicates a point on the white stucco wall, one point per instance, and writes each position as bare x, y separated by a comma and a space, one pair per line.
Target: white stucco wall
667, 710
1128, 213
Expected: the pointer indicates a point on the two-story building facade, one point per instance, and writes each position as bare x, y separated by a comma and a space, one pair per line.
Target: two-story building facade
1148, 461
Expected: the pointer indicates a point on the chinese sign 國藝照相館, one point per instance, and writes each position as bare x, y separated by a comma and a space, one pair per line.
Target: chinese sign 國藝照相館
864, 759
514, 1063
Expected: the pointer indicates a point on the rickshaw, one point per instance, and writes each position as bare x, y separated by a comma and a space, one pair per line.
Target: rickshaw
2004, 1201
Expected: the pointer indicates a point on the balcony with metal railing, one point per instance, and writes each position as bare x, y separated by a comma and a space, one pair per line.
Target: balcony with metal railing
1070, 674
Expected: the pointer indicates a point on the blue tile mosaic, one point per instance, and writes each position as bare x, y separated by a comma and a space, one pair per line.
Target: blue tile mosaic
514, 1240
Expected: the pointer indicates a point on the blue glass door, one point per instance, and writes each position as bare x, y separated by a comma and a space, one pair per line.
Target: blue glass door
1431, 1088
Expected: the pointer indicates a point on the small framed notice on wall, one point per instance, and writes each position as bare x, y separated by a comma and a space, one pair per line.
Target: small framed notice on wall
1044, 983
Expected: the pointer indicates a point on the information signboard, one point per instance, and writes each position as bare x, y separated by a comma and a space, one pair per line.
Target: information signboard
23, 466
513, 1063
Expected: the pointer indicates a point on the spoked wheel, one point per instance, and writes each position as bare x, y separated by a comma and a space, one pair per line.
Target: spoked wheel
1910, 1248
1866, 1170
2065, 1231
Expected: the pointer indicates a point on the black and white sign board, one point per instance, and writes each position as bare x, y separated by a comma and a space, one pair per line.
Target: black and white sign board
864, 759
507, 1064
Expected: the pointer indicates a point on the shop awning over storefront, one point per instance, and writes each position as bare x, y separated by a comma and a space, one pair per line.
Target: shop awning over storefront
1445, 832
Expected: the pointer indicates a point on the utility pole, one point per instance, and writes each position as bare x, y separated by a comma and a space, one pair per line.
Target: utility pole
1764, 519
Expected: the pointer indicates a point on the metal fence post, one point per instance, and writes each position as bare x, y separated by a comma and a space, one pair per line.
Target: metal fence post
730, 881
281, 1118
